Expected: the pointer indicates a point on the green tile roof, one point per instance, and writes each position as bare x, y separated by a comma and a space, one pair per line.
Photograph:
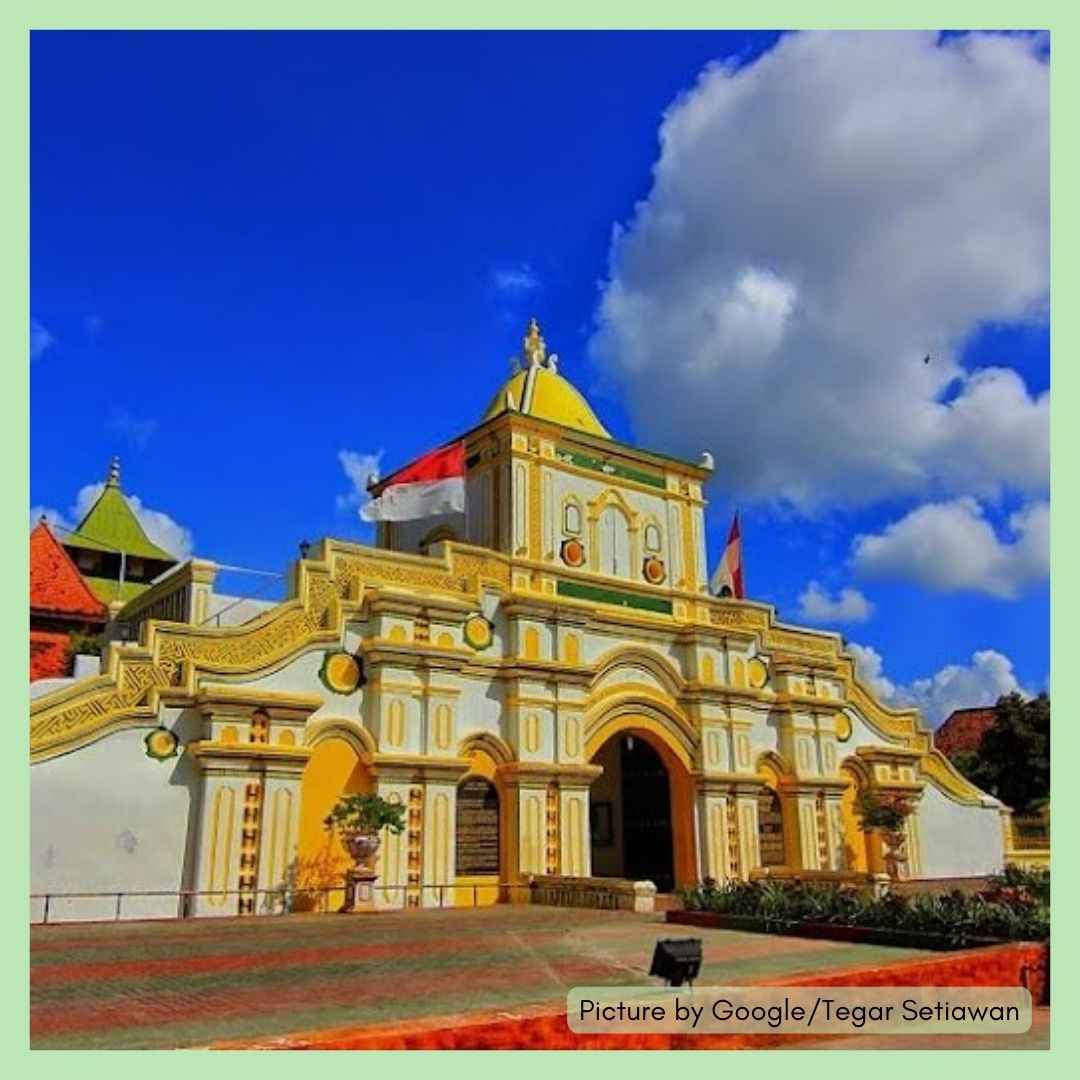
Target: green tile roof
108, 589
111, 525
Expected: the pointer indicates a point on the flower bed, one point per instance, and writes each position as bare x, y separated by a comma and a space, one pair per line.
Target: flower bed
1014, 907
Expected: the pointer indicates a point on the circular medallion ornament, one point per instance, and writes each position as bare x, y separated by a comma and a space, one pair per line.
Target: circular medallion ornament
573, 552
654, 571
842, 726
477, 632
161, 744
757, 673
341, 672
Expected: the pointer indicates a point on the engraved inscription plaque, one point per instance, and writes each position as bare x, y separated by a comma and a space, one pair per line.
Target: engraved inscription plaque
477, 827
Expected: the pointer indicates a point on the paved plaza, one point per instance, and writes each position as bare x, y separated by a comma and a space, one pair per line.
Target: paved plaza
198, 982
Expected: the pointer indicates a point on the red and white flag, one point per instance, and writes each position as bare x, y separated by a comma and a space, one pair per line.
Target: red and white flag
727, 580
432, 484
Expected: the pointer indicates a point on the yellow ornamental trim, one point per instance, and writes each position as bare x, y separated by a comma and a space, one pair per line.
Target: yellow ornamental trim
801, 642
477, 632
757, 674
341, 672
943, 774
842, 727
738, 616
170, 657
161, 744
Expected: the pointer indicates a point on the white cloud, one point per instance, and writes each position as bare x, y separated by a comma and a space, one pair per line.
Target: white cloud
848, 606
41, 338
956, 686
160, 528
137, 432
819, 221
871, 669
951, 547
57, 521
515, 279
360, 469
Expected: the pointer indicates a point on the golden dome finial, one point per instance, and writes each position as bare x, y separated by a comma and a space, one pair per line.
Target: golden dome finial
533, 349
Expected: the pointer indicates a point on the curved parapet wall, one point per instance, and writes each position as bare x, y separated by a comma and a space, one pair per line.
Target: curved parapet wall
170, 660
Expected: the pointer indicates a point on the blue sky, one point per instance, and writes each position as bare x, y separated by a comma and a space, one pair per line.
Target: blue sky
251, 252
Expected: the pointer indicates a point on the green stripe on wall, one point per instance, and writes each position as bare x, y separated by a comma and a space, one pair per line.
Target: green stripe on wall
583, 461
601, 595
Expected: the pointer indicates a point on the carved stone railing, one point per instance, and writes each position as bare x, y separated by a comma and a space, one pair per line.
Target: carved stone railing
876, 883
612, 894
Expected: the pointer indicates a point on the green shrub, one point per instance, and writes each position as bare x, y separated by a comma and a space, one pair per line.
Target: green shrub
1015, 910
366, 813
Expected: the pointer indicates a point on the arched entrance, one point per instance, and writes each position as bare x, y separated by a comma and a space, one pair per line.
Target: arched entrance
641, 806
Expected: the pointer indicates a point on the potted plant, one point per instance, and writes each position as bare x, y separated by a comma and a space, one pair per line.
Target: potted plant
887, 812
358, 820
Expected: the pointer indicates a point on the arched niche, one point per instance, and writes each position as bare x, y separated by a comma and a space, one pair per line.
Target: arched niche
335, 768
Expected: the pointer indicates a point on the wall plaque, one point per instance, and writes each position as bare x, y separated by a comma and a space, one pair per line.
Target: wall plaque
477, 827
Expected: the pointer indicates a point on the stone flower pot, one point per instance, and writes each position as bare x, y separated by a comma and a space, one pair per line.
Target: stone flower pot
895, 852
362, 846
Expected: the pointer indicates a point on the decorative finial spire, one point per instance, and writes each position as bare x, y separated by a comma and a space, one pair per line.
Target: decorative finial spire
533, 349
113, 479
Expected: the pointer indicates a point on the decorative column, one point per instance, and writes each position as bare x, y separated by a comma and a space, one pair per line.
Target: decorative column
746, 816
248, 825
417, 869
718, 829
551, 812
893, 772
251, 762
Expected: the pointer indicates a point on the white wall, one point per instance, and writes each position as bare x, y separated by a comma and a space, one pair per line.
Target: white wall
224, 610
957, 840
109, 818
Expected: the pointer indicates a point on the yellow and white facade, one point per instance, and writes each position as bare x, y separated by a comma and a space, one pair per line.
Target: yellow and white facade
564, 614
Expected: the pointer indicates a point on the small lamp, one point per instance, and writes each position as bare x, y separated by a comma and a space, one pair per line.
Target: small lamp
677, 960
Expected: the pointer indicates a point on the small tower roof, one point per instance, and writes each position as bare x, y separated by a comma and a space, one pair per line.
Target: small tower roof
111, 524
537, 389
56, 586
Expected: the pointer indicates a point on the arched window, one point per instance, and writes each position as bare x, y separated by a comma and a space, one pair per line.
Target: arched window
613, 542
571, 518
652, 537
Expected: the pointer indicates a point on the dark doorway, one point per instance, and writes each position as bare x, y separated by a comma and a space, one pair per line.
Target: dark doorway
646, 801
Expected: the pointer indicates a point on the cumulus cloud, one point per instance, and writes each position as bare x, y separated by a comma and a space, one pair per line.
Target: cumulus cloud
41, 339
360, 469
848, 606
956, 686
819, 221
160, 527
515, 279
951, 547
870, 667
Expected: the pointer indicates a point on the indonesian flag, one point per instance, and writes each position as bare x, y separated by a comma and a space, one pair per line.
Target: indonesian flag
432, 484
727, 580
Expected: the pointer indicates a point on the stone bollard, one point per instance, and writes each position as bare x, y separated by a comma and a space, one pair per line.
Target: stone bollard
644, 896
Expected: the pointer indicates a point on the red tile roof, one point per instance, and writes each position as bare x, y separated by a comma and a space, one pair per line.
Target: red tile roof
48, 654
56, 586
963, 730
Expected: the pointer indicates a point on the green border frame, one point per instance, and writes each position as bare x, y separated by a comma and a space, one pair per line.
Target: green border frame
19, 17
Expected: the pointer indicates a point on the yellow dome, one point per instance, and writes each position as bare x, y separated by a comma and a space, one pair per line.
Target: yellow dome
539, 390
